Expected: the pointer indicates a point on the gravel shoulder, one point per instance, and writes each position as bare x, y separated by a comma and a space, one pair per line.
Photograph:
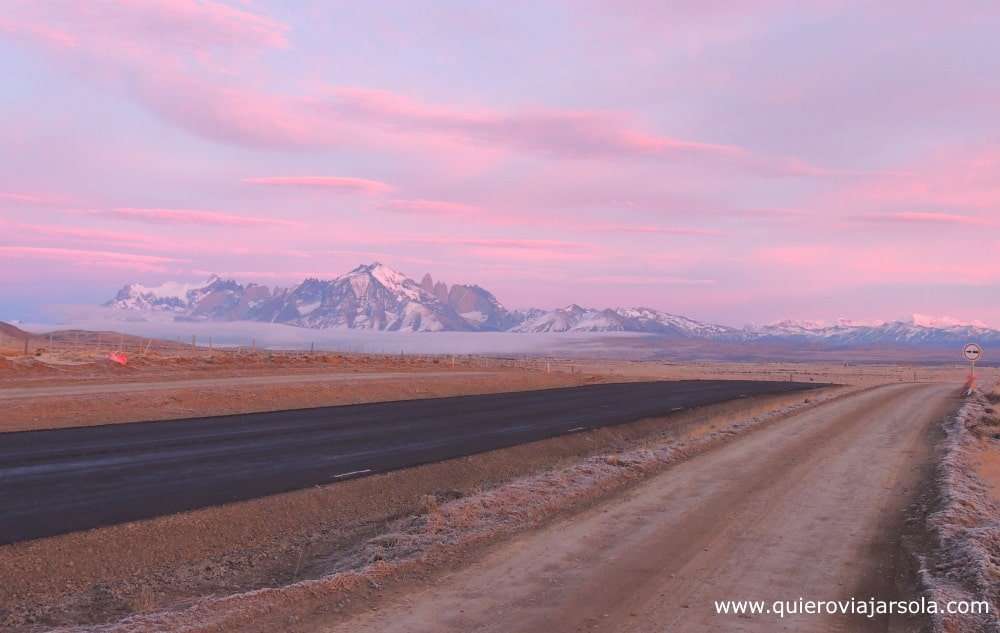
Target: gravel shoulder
958, 544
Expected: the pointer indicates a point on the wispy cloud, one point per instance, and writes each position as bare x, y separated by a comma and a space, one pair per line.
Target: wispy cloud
88, 257
567, 133
120, 25
648, 229
503, 243
324, 183
22, 198
432, 207
81, 233
190, 216
927, 217
514, 250
245, 113
647, 280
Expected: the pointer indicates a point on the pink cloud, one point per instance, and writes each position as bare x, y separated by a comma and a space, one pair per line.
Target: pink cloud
356, 117
176, 57
882, 265
646, 280
34, 199
189, 216
188, 77
247, 115
565, 133
528, 255
88, 234
237, 115
825, 265
501, 243
432, 207
777, 213
197, 24
59, 235
652, 230
50, 37
516, 250
331, 183
958, 179
234, 113
805, 255
78, 257
934, 218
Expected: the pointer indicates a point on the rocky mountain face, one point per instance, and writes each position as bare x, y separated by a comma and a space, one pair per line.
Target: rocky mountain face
476, 305
215, 298
370, 297
911, 332
376, 297
574, 318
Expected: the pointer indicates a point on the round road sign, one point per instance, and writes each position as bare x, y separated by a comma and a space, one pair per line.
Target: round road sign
973, 352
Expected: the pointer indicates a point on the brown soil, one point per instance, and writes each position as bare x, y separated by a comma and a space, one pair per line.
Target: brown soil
989, 468
213, 396
110, 393
987, 457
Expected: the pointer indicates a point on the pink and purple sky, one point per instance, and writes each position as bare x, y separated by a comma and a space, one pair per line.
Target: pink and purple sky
731, 161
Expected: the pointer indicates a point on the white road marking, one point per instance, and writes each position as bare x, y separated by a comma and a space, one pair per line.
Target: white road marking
577, 428
677, 409
353, 472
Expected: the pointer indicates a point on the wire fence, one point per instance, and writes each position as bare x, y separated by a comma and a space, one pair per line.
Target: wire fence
89, 346
86, 345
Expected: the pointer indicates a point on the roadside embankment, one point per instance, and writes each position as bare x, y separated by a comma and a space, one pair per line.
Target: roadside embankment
960, 560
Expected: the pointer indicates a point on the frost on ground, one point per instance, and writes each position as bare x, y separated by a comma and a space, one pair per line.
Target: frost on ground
446, 529
964, 526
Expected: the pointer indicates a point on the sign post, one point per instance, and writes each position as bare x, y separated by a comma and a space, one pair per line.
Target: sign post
972, 353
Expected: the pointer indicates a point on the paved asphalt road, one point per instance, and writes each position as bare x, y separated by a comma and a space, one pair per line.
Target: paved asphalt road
64, 480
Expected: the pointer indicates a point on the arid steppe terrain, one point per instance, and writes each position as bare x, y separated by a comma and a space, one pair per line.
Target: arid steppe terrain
710, 490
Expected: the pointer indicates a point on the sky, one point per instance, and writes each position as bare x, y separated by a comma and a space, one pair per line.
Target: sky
737, 162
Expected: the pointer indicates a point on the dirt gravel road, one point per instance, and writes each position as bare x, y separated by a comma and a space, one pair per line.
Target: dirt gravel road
809, 507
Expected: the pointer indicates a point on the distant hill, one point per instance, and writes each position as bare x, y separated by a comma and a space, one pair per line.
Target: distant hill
8, 331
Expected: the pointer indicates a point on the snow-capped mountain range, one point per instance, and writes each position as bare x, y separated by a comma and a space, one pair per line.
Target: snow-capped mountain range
376, 297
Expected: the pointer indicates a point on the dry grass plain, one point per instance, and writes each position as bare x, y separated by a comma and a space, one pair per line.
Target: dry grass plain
188, 382
107, 574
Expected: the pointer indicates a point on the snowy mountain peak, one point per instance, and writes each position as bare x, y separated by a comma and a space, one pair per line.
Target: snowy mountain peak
390, 278
924, 320
169, 289
377, 297
213, 298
